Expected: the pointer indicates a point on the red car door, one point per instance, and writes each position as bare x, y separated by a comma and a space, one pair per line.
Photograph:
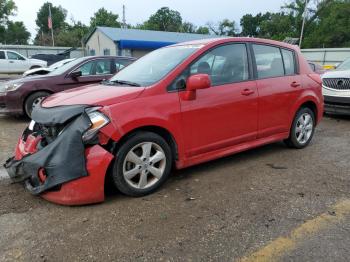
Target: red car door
278, 86
226, 113
92, 71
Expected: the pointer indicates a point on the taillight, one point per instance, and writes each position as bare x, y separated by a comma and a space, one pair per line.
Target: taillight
316, 77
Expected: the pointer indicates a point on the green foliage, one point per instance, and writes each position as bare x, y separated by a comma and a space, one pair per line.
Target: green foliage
17, 34
188, 27
164, 19
203, 30
104, 18
73, 35
11, 32
224, 28
7, 8
332, 27
58, 13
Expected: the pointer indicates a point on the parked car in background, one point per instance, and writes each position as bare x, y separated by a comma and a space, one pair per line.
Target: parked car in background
336, 89
46, 70
180, 105
12, 62
317, 68
54, 58
20, 95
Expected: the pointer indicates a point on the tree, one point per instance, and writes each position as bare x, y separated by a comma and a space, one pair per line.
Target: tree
104, 18
164, 19
332, 26
7, 8
251, 24
224, 28
203, 30
58, 14
17, 33
73, 35
188, 27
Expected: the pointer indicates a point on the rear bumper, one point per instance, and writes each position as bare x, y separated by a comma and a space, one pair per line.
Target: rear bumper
337, 105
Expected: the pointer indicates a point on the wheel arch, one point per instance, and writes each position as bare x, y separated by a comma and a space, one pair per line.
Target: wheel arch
161, 131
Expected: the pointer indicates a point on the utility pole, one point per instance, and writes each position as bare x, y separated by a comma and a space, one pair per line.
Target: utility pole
303, 26
124, 20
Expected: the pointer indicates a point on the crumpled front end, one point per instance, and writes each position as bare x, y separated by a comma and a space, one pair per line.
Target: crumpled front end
54, 161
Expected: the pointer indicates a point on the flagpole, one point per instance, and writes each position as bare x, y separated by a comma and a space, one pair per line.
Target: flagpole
53, 40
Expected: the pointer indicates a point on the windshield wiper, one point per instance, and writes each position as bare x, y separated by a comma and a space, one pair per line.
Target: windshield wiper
124, 82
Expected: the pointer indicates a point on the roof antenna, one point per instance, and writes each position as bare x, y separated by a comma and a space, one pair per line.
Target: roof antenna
124, 20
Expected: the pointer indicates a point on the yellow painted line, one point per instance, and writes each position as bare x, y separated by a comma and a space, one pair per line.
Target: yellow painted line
280, 246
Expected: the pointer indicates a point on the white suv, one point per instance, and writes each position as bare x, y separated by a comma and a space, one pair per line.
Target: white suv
13, 62
336, 89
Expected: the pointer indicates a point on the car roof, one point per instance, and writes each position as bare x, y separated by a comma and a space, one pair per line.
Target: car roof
214, 41
110, 56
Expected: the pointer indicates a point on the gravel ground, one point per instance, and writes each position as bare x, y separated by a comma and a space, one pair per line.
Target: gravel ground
271, 201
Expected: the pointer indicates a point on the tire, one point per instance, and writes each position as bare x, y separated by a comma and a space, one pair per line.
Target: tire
302, 130
133, 170
33, 99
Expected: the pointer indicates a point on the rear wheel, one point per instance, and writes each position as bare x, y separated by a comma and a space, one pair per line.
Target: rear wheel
33, 100
302, 130
142, 165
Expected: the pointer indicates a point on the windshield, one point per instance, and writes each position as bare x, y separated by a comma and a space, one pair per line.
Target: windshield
345, 65
154, 66
65, 67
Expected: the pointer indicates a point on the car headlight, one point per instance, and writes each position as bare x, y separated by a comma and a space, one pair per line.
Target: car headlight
9, 87
98, 121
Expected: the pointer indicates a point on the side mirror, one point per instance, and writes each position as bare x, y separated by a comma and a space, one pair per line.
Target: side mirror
199, 81
76, 74
193, 83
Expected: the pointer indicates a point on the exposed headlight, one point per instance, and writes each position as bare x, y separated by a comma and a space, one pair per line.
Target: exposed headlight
9, 87
98, 121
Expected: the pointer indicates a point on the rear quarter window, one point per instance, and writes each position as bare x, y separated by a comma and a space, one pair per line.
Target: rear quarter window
289, 62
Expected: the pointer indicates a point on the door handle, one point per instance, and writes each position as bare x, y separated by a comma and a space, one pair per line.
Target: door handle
294, 84
247, 92
11, 62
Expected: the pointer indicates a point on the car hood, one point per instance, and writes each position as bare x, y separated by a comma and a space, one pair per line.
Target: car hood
41, 69
99, 95
337, 74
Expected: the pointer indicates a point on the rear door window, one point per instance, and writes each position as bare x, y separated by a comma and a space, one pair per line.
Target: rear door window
269, 61
2, 55
103, 67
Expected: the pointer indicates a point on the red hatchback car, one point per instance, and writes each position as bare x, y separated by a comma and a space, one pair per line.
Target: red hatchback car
179, 105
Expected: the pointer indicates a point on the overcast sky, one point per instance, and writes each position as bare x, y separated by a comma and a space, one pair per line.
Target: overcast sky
196, 11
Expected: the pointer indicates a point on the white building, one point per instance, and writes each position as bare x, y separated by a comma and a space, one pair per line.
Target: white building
133, 42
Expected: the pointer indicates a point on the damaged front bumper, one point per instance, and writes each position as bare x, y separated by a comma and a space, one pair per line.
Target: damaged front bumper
62, 169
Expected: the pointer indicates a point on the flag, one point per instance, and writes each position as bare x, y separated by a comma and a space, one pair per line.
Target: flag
49, 19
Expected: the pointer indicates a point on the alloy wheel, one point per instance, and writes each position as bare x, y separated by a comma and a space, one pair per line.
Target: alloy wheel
304, 128
144, 165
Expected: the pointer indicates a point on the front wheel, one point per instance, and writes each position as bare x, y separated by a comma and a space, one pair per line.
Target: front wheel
142, 165
33, 100
302, 130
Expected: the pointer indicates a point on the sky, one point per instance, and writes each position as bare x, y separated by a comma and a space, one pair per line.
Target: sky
195, 11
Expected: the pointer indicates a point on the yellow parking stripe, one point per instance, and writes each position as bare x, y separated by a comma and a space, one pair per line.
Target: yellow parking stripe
278, 247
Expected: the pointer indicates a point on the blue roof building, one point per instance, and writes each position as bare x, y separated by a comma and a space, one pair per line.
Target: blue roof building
133, 42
